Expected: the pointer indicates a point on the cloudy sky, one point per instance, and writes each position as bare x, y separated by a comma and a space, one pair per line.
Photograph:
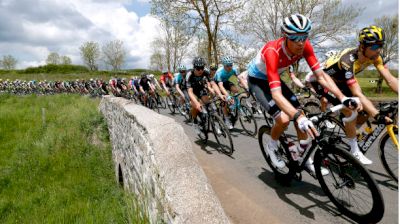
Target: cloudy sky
31, 29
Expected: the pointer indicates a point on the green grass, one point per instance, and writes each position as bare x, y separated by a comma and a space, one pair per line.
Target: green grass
60, 171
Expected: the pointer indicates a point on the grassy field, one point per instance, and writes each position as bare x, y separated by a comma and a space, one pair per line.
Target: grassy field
58, 170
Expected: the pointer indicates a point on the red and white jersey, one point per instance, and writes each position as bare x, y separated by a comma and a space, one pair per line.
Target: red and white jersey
273, 59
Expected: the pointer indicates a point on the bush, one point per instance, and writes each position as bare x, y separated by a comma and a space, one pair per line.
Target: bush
52, 69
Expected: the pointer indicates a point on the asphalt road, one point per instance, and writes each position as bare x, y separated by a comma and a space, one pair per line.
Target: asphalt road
246, 187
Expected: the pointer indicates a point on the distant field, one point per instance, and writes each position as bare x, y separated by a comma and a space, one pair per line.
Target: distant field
60, 169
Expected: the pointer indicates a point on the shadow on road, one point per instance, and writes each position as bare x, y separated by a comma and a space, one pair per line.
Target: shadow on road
388, 182
309, 191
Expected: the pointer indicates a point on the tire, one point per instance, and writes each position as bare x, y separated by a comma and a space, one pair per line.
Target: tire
389, 154
171, 103
247, 120
153, 105
161, 102
286, 174
311, 108
222, 135
347, 178
204, 128
268, 119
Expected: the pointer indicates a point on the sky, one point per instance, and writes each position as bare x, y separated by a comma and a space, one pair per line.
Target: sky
31, 29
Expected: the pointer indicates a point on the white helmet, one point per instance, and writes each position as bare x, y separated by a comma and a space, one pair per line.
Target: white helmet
151, 76
296, 23
330, 53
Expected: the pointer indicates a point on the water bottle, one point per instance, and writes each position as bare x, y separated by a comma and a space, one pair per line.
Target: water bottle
293, 151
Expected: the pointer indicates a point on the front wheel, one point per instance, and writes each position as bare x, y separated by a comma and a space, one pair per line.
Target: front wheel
389, 154
222, 135
349, 185
285, 174
171, 103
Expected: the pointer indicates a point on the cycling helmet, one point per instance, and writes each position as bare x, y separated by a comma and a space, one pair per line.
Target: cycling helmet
143, 75
164, 71
371, 35
227, 60
181, 68
151, 76
199, 62
330, 53
296, 23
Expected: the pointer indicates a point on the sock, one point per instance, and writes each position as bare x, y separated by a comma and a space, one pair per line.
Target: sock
353, 145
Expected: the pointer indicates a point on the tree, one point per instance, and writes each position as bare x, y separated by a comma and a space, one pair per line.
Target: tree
390, 26
90, 53
8, 62
204, 15
65, 60
331, 21
156, 61
114, 54
172, 44
53, 59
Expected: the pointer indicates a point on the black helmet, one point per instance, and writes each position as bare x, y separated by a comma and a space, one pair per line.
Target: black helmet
143, 75
199, 62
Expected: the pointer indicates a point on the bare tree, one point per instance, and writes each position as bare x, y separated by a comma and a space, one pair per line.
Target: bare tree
156, 61
65, 60
330, 19
8, 62
390, 26
173, 44
209, 15
114, 54
90, 53
53, 58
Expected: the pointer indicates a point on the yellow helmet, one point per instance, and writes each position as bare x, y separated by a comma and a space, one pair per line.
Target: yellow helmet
371, 35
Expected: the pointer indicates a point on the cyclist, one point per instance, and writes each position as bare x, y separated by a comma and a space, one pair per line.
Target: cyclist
145, 86
180, 83
197, 81
222, 77
166, 80
274, 95
343, 67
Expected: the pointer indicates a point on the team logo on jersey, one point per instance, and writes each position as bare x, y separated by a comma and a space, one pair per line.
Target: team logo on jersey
352, 58
348, 75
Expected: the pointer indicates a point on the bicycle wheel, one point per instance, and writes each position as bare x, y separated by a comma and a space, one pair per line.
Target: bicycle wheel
311, 107
349, 185
389, 154
154, 106
268, 118
221, 134
286, 173
171, 104
332, 127
202, 120
247, 120
161, 102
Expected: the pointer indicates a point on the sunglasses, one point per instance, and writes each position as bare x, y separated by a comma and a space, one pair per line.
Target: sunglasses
375, 47
198, 68
229, 65
297, 38
214, 69
182, 71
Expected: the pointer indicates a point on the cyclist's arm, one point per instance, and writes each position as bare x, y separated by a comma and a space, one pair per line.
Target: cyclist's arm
327, 82
216, 89
179, 90
222, 89
242, 82
391, 81
193, 97
295, 80
368, 106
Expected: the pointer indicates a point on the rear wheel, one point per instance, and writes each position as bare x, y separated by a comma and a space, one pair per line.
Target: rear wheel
389, 154
349, 185
247, 120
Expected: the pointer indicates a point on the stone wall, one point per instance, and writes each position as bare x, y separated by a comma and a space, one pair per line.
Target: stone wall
153, 158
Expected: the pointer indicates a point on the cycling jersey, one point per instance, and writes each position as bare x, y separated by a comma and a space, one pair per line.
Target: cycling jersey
273, 59
166, 78
222, 75
179, 79
144, 83
343, 67
198, 83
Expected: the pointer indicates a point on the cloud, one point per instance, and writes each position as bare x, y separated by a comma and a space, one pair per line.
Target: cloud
30, 29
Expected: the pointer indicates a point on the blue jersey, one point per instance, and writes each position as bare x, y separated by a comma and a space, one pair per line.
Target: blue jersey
222, 75
179, 79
